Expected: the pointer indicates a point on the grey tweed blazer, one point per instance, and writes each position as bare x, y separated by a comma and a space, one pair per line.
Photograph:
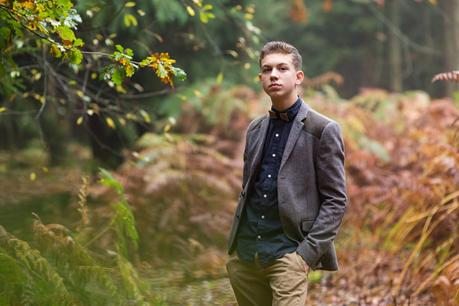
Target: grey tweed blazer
311, 184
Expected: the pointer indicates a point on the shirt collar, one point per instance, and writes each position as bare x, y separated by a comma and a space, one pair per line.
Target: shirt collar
289, 113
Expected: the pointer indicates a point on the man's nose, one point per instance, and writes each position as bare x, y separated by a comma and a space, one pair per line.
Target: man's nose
274, 74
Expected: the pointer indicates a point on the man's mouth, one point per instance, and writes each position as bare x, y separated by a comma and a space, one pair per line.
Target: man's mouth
275, 85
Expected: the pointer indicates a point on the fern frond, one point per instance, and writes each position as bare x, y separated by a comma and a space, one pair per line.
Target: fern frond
69, 256
83, 202
40, 283
131, 281
447, 76
124, 224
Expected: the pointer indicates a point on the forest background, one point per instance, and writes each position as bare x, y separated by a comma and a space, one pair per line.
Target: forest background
159, 94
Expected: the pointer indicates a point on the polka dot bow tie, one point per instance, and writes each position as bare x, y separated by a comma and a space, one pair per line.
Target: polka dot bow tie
278, 115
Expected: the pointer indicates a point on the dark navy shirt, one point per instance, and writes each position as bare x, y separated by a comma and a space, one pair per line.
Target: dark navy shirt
260, 232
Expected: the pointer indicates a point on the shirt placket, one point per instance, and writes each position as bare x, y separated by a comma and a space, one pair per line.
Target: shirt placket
270, 176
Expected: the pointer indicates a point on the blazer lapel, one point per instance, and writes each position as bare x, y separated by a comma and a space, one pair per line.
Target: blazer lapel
297, 126
259, 144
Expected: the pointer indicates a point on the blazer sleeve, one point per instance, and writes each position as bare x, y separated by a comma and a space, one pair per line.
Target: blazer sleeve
331, 186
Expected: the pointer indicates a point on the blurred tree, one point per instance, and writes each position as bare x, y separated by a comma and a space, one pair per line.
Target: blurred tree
372, 43
451, 34
87, 95
394, 48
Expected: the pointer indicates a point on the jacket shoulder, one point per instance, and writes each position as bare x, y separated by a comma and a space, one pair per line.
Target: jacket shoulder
255, 123
315, 123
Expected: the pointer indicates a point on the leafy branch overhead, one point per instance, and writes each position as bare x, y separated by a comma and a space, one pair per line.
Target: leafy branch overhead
55, 23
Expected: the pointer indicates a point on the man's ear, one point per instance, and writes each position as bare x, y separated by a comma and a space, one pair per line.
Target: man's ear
299, 77
259, 76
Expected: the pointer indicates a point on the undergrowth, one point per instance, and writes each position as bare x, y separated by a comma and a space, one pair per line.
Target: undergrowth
64, 266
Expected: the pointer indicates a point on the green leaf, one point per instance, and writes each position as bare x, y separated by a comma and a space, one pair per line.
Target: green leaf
118, 76
78, 42
65, 33
108, 180
179, 73
119, 48
130, 20
145, 62
129, 52
75, 56
4, 36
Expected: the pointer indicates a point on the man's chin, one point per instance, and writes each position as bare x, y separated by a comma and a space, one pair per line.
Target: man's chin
275, 94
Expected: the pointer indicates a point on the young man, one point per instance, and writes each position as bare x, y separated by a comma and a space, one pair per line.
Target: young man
294, 191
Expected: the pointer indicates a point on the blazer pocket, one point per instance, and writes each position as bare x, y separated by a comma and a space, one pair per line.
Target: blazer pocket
306, 225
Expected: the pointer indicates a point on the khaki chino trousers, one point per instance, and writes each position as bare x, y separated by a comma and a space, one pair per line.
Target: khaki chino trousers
283, 283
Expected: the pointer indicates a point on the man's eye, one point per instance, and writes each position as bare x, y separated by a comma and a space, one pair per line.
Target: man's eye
283, 68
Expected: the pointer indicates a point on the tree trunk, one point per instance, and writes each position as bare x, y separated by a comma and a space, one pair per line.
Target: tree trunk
451, 23
395, 56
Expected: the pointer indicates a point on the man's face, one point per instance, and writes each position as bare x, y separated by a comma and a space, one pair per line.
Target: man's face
279, 77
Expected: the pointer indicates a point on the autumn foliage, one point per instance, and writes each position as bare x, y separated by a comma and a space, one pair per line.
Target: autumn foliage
399, 241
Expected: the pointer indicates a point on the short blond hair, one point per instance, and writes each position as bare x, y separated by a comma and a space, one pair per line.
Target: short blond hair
284, 48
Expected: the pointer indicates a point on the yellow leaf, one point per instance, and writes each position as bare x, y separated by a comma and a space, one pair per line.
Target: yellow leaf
120, 89
90, 112
28, 4
219, 79
197, 93
122, 121
2, 109
130, 20
130, 4
129, 70
45, 169
198, 2
190, 10
79, 120
167, 128
145, 116
131, 116
110, 122
248, 16
33, 176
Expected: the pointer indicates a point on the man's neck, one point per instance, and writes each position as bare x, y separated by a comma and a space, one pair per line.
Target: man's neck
283, 104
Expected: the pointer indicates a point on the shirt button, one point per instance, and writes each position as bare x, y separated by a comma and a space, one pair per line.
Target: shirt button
259, 237
265, 196
269, 175
277, 135
274, 155
263, 217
